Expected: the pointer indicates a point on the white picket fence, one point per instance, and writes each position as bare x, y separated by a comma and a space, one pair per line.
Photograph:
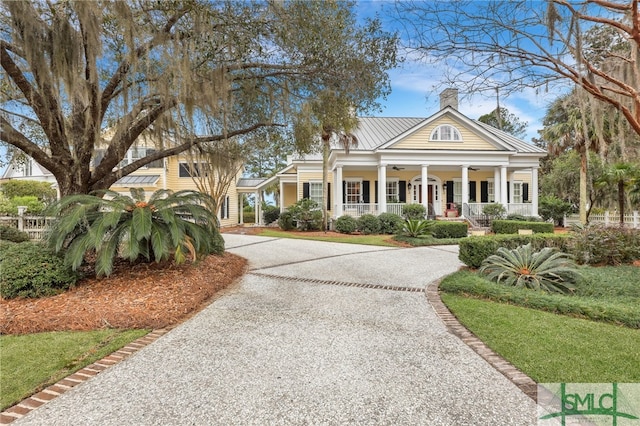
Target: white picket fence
631, 220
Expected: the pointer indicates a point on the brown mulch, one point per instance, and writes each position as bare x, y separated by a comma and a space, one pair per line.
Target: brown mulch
135, 296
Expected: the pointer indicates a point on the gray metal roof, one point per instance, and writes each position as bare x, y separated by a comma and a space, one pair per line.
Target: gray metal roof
518, 144
137, 180
375, 131
250, 182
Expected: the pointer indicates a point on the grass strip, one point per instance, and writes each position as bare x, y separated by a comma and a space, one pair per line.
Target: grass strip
32, 362
606, 294
552, 348
371, 240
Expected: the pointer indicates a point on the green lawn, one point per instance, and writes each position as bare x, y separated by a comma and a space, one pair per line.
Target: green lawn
34, 361
608, 294
372, 240
549, 347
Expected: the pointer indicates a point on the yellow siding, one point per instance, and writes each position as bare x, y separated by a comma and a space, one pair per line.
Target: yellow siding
311, 177
289, 193
420, 139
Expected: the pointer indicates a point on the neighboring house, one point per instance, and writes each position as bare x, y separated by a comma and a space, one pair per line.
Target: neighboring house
447, 162
169, 173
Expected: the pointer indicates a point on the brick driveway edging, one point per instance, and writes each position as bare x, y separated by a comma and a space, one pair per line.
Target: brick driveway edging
517, 377
29, 404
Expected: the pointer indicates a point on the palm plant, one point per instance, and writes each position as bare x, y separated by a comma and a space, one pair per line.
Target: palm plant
112, 225
623, 175
415, 228
547, 270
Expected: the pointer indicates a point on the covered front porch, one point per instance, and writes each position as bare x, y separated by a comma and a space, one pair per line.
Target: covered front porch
461, 191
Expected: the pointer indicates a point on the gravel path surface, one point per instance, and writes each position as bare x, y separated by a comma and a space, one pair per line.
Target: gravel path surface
315, 333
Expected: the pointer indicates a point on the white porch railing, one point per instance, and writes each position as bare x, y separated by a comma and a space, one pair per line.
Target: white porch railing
524, 209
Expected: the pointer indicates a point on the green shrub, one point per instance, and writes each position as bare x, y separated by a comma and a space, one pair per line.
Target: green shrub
33, 205
369, 224
512, 226
9, 233
43, 191
271, 213
600, 245
285, 221
553, 208
413, 211
31, 270
442, 229
494, 211
346, 224
390, 223
416, 227
473, 250
307, 215
515, 216
546, 270
249, 217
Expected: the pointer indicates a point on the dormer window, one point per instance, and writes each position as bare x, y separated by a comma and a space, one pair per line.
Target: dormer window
445, 132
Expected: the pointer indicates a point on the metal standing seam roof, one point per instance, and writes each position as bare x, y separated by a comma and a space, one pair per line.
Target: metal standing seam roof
375, 131
137, 180
249, 182
519, 145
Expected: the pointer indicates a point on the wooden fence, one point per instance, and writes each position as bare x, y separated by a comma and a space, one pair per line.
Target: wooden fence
631, 220
35, 226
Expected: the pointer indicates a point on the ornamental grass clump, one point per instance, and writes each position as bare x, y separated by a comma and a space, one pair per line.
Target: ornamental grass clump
546, 270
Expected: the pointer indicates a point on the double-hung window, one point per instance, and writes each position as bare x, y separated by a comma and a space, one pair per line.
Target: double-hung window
457, 191
315, 192
353, 191
393, 193
491, 192
517, 192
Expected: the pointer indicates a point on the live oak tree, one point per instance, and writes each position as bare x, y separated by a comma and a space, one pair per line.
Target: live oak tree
512, 45
88, 76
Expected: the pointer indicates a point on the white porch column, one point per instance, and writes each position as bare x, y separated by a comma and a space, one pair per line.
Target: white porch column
465, 184
241, 198
281, 197
511, 185
337, 188
503, 187
496, 184
424, 177
256, 208
382, 188
534, 191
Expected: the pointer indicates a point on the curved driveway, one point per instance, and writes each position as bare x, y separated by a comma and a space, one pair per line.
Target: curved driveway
314, 333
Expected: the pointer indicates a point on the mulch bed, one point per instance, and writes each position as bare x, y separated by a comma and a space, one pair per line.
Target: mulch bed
135, 296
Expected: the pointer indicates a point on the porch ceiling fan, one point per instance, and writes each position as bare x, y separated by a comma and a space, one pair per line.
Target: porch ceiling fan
473, 169
397, 168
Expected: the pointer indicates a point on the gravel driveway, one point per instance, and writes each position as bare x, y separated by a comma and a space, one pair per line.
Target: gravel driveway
314, 333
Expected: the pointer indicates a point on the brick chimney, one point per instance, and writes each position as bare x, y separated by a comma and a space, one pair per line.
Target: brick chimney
449, 97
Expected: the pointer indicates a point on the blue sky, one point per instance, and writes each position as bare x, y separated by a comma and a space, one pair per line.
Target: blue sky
416, 87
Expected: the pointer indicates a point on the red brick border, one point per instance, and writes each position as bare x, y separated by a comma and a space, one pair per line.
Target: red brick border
27, 405
517, 377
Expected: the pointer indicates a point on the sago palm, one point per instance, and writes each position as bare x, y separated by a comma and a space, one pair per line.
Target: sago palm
547, 270
417, 227
112, 225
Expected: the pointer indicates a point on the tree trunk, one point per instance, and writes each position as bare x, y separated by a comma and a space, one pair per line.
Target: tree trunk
583, 187
325, 184
621, 200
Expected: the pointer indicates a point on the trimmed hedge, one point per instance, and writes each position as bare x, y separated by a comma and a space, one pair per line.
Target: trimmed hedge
368, 224
512, 226
442, 229
390, 223
346, 224
31, 270
473, 250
